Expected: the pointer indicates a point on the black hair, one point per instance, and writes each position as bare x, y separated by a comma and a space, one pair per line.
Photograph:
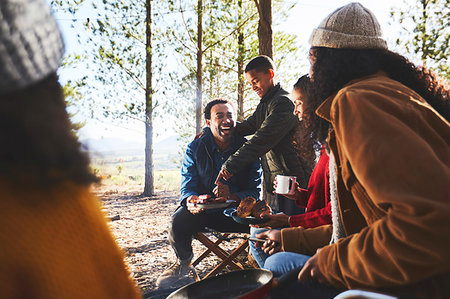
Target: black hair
261, 63
39, 148
208, 107
333, 68
303, 84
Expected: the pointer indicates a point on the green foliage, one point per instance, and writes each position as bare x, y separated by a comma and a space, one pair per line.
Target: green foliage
425, 33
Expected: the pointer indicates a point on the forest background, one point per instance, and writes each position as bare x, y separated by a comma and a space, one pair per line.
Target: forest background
136, 73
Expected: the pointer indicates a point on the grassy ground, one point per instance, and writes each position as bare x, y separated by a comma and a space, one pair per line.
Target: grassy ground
129, 171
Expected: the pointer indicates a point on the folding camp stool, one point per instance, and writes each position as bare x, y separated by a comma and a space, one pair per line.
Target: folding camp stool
228, 259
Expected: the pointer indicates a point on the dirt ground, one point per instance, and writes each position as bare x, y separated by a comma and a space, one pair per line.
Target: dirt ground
140, 226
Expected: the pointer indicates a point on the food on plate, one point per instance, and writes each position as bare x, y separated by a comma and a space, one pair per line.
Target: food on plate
207, 199
250, 207
260, 209
204, 198
245, 207
219, 199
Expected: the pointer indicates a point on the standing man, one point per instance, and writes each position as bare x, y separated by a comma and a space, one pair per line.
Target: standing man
202, 162
272, 124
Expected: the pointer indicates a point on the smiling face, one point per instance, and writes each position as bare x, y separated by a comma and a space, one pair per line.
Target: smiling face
297, 97
261, 82
221, 123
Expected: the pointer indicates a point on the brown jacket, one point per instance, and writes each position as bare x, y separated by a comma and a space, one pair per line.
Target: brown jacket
392, 153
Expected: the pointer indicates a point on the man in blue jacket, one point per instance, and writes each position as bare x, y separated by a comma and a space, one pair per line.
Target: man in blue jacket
202, 162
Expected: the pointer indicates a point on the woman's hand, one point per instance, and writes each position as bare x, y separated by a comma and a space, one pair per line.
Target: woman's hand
297, 191
273, 241
275, 221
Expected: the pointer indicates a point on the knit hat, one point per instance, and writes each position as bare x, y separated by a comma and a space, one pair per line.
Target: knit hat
31, 45
351, 26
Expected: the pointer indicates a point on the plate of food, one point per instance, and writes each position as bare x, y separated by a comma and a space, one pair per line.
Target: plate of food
207, 202
249, 211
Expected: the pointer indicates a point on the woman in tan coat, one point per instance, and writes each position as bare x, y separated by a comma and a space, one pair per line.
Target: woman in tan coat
387, 125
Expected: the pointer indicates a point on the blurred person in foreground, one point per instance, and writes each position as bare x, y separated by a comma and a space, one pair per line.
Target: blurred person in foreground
201, 164
55, 242
386, 122
316, 200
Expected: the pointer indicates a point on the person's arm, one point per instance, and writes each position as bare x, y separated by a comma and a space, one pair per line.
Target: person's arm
312, 219
401, 157
277, 124
189, 176
305, 240
248, 126
253, 188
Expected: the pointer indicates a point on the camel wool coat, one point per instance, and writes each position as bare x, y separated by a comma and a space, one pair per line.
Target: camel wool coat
392, 152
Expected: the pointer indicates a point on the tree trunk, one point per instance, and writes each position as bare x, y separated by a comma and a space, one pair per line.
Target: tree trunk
198, 106
240, 63
148, 187
265, 35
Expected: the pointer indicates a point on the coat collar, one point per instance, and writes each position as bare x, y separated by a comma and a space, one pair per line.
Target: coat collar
271, 92
324, 110
236, 140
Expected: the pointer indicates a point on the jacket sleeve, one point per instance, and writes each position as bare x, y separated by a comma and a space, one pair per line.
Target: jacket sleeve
400, 155
248, 126
254, 182
189, 175
305, 240
312, 218
279, 121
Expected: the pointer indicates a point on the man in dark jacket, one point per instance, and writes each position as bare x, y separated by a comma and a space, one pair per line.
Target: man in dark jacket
202, 162
272, 124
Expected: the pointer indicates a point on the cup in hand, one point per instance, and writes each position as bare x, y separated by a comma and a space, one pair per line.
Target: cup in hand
285, 184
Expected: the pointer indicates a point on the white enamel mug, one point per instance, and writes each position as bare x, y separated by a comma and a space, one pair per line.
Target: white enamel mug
285, 184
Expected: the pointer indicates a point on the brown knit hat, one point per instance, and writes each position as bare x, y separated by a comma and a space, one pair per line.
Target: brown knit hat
351, 26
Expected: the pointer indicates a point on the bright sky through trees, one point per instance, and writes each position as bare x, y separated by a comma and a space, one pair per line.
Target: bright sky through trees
305, 16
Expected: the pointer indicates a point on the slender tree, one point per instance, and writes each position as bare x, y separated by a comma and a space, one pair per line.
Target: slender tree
265, 34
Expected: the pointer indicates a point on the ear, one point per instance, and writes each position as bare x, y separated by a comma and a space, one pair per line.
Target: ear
272, 73
208, 122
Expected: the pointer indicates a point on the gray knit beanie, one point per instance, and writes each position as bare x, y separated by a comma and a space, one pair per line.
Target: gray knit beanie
351, 26
31, 46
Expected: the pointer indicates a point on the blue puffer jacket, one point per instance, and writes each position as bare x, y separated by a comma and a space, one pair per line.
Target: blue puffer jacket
202, 163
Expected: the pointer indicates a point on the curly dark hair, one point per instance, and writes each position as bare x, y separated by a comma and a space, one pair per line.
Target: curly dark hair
38, 145
304, 145
333, 68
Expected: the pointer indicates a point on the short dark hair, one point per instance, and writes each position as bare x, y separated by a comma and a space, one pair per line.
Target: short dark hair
208, 107
261, 63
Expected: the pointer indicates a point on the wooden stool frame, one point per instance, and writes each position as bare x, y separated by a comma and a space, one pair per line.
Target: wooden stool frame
228, 259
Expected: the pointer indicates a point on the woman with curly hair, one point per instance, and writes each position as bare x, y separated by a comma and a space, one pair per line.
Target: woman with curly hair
55, 242
386, 122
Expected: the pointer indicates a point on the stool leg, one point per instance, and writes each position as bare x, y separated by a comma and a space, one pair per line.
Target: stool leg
204, 240
229, 261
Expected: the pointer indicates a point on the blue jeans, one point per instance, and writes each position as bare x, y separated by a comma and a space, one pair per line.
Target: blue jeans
282, 262
279, 263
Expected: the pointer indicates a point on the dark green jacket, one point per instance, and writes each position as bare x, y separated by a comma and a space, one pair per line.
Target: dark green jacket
272, 124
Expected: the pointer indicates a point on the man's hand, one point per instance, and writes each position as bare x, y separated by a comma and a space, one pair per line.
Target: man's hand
311, 271
191, 205
273, 243
222, 190
223, 173
275, 221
